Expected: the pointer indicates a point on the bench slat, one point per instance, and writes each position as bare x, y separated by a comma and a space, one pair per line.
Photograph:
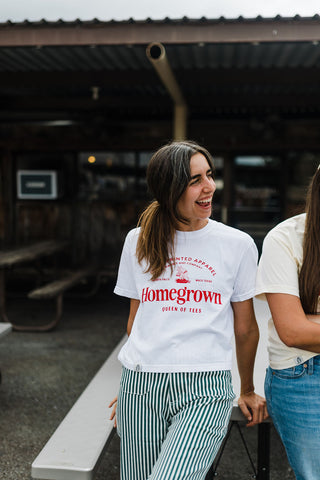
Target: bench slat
53, 289
74, 450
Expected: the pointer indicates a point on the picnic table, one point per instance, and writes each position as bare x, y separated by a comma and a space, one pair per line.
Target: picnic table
15, 256
66, 454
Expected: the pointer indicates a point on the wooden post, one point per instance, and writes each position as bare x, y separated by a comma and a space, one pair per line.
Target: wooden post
227, 189
6, 199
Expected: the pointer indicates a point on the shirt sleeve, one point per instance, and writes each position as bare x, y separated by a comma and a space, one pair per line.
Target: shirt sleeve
244, 286
278, 268
126, 280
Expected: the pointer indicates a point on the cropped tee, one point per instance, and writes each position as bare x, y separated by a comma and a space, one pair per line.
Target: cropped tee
184, 322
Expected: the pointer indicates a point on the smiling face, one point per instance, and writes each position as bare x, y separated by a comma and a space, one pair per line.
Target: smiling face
195, 204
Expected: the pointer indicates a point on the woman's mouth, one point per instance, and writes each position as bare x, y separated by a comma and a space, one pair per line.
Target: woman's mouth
204, 203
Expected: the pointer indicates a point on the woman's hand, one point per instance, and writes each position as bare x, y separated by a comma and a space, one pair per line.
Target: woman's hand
113, 404
253, 407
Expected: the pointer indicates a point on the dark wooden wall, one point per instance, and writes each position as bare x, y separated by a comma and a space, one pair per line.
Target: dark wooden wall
97, 227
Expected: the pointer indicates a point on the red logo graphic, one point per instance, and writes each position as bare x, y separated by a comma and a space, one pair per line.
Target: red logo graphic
182, 275
181, 295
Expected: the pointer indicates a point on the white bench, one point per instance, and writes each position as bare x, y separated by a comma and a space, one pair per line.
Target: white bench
75, 448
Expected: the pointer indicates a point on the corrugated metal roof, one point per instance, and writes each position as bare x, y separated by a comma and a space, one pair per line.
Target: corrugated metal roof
184, 30
181, 57
182, 20
215, 78
74, 58
276, 55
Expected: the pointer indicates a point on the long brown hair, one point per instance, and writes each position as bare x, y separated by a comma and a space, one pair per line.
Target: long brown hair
309, 278
168, 175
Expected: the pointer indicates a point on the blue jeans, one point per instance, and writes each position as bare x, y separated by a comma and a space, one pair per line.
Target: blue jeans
293, 400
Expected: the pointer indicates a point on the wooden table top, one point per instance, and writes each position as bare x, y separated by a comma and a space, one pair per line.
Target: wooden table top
28, 253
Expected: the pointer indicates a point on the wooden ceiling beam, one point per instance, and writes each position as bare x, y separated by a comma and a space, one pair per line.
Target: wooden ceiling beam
78, 78
251, 100
146, 78
147, 103
175, 32
33, 103
250, 76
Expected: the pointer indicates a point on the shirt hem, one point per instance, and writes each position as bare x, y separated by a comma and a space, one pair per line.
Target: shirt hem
243, 297
293, 362
177, 368
276, 289
125, 293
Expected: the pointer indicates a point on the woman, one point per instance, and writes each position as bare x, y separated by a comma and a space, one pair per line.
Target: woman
289, 278
188, 279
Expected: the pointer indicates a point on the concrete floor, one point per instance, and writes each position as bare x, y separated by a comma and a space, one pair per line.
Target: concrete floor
44, 373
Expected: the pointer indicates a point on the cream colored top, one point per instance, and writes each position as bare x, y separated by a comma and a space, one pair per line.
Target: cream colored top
278, 272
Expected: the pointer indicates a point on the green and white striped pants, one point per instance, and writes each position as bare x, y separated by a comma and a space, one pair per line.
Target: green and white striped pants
171, 425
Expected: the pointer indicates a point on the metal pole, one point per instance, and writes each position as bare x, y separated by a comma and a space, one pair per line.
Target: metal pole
156, 53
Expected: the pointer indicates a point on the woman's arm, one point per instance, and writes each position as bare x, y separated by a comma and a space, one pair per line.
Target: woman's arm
246, 332
294, 328
134, 305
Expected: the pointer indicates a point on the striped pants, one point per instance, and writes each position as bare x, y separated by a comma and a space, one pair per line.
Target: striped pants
171, 425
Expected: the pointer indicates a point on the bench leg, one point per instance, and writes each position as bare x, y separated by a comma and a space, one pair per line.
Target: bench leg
48, 326
263, 451
3, 314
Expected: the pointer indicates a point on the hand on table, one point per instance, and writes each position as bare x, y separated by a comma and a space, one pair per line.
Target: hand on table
113, 404
253, 407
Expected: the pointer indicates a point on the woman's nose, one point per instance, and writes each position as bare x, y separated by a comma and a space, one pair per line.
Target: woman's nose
209, 184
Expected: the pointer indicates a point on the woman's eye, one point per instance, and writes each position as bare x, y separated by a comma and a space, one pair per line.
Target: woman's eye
194, 181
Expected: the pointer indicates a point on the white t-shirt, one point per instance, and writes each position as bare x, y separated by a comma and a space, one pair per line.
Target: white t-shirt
278, 272
184, 322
